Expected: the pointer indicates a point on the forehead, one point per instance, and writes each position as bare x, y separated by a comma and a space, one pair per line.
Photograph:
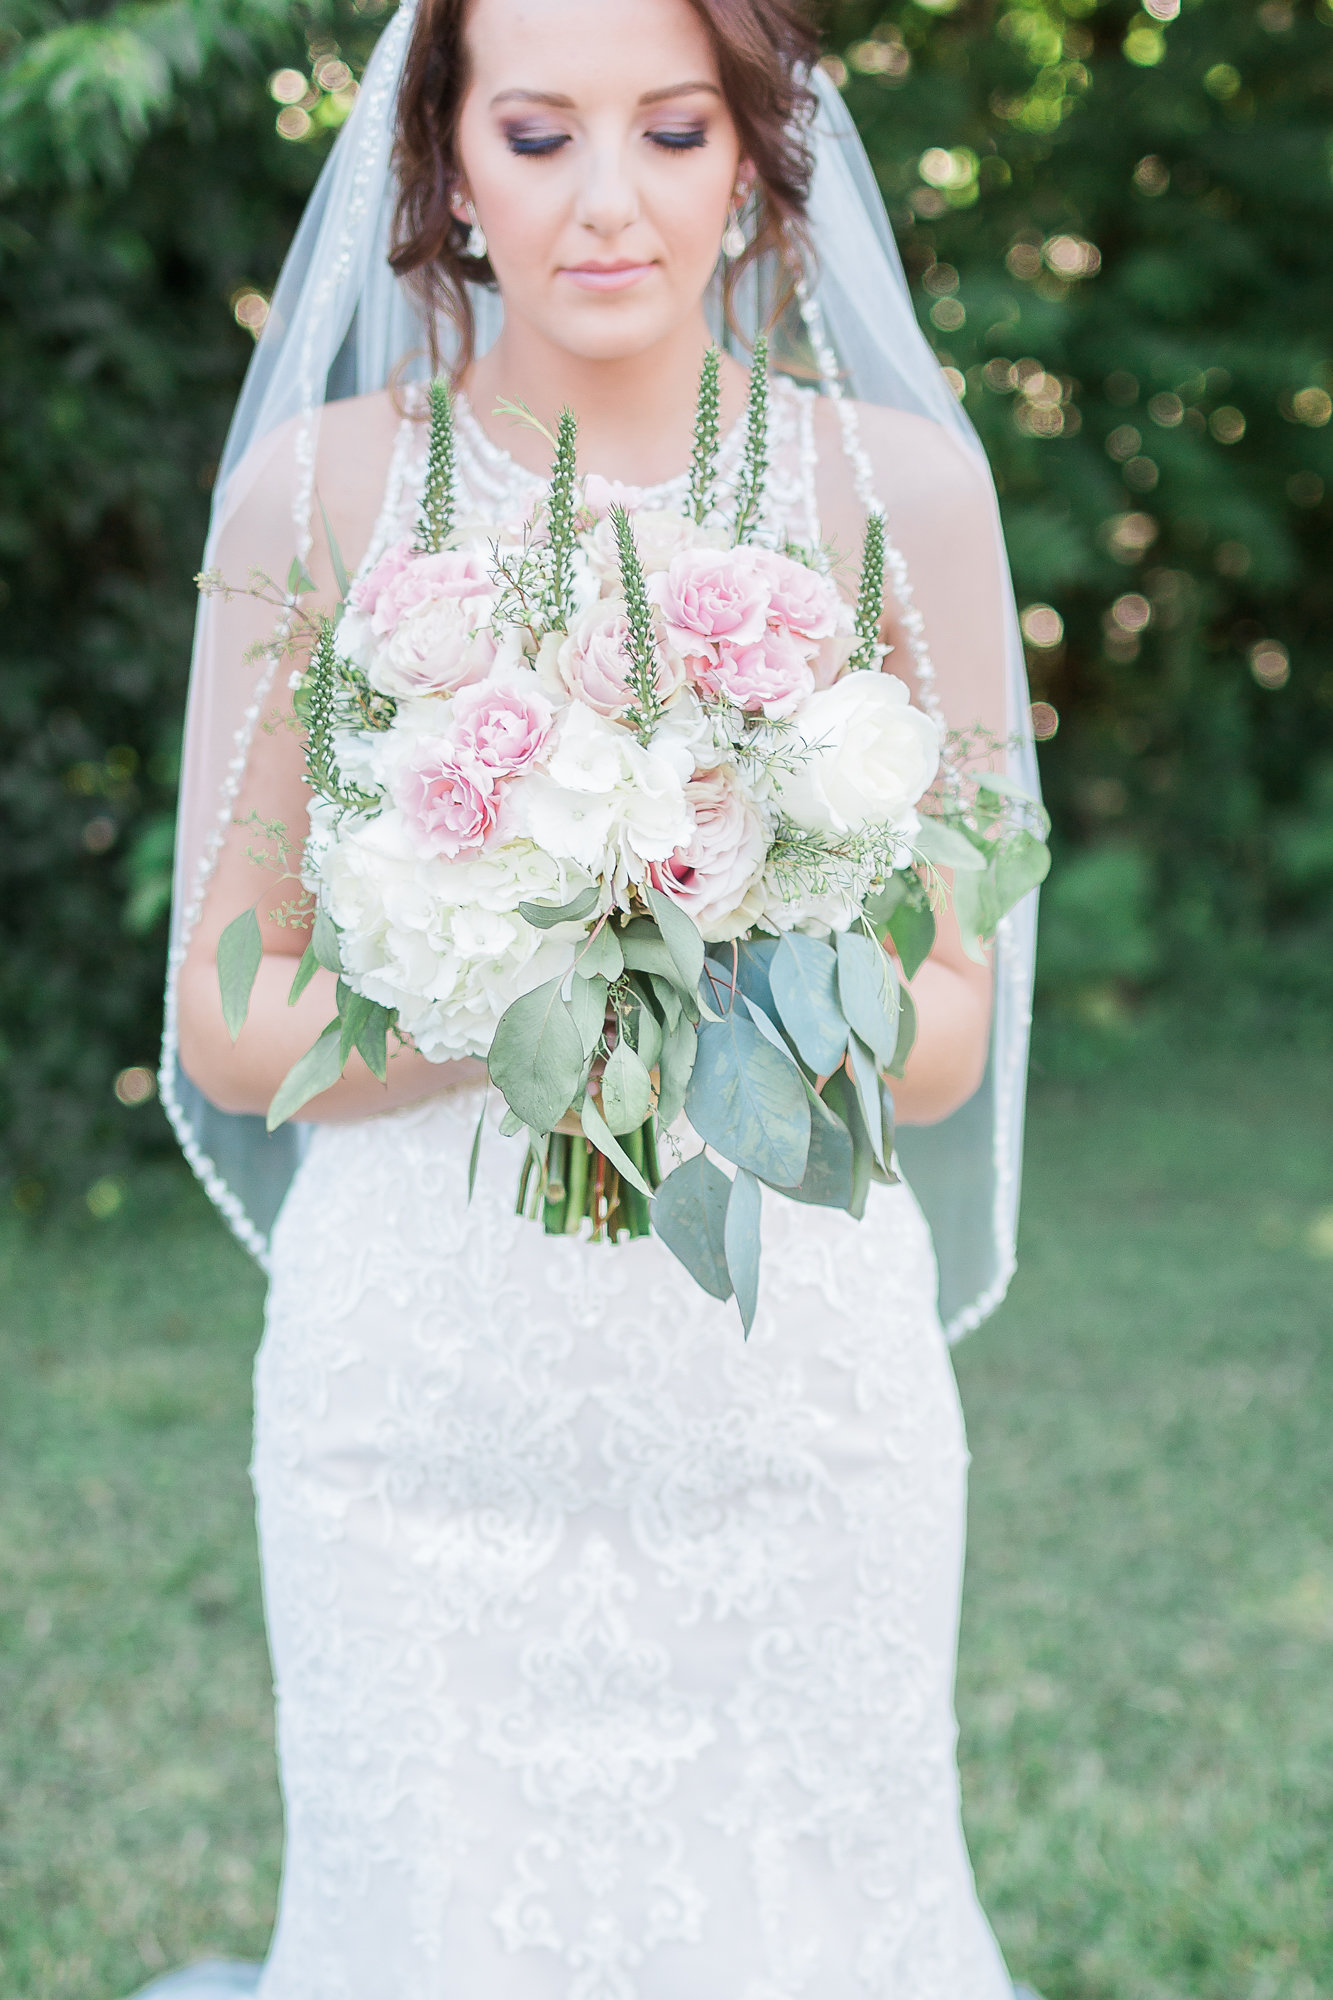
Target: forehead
586, 50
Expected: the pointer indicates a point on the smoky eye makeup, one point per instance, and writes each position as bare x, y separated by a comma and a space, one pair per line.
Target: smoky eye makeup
679, 138
534, 141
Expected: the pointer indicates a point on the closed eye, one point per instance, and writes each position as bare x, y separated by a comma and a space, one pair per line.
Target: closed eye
539, 145
680, 140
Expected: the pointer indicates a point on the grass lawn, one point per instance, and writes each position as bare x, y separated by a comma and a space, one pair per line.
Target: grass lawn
1148, 1638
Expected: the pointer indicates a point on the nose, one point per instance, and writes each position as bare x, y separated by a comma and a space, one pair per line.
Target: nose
608, 200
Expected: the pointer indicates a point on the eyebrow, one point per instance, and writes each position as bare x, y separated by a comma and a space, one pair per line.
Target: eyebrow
560, 103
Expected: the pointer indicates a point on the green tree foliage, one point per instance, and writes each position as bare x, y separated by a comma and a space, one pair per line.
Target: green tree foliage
1116, 225
146, 199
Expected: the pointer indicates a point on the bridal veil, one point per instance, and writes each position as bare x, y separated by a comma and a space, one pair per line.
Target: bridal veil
341, 324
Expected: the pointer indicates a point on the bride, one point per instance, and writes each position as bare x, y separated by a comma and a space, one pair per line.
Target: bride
613, 1655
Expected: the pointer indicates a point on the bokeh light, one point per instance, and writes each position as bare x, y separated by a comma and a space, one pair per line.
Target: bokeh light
1043, 627
1270, 663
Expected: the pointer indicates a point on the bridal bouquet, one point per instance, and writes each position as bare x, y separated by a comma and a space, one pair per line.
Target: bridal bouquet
619, 799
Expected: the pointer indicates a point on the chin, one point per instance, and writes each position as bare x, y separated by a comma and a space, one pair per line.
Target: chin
613, 331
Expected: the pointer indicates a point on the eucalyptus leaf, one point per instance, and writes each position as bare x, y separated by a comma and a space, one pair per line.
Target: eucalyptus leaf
912, 929
536, 1056
475, 1155
317, 1071
902, 1048
305, 972
770, 1033
754, 965
645, 1031
866, 1078
1021, 865
339, 567
601, 956
675, 1066
803, 976
945, 847
747, 1100
587, 1004
881, 906
868, 991
830, 1164
681, 936
841, 1097
645, 950
372, 1040
352, 1011
1000, 781
299, 579
689, 1214
511, 1124
668, 998
324, 941
971, 908
627, 1091
596, 1128
240, 952
740, 1240
544, 916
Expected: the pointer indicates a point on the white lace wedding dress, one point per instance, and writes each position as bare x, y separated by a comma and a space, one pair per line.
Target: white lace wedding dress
614, 1655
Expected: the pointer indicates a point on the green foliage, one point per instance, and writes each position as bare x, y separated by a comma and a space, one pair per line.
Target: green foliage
707, 437
437, 497
145, 199
870, 596
754, 465
640, 645
561, 519
1115, 228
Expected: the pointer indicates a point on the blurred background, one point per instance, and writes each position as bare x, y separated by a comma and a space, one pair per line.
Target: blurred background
1116, 226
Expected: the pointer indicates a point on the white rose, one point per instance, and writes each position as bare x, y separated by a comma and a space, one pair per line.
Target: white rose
869, 756
436, 648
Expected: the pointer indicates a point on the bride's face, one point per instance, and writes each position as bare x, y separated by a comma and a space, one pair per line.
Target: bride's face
601, 160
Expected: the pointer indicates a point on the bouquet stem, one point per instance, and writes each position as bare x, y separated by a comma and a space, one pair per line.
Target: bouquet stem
576, 1183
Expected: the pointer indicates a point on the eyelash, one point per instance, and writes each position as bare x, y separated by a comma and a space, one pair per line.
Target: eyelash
542, 147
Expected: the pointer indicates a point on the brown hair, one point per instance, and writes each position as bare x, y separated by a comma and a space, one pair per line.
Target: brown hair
763, 49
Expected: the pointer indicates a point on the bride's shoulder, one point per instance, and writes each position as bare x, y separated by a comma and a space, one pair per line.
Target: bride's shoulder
915, 462
353, 451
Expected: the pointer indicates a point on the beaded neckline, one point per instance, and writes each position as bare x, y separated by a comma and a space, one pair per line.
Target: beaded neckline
501, 465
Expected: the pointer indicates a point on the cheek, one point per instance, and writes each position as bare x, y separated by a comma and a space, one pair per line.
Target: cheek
688, 200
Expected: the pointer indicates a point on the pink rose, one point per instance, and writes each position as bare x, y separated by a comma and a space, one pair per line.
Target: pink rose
448, 801
501, 725
601, 495
402, 579
593, 662
799, 598
712, 597
439, 646
773, 675
712, 874
366, 591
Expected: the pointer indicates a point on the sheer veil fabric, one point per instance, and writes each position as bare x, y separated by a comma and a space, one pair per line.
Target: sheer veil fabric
341, 324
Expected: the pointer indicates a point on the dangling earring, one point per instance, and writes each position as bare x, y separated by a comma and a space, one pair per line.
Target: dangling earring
733, 236
476, 236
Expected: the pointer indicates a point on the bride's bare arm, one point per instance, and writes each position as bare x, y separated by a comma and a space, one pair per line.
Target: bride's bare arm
940, 514
355, 445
